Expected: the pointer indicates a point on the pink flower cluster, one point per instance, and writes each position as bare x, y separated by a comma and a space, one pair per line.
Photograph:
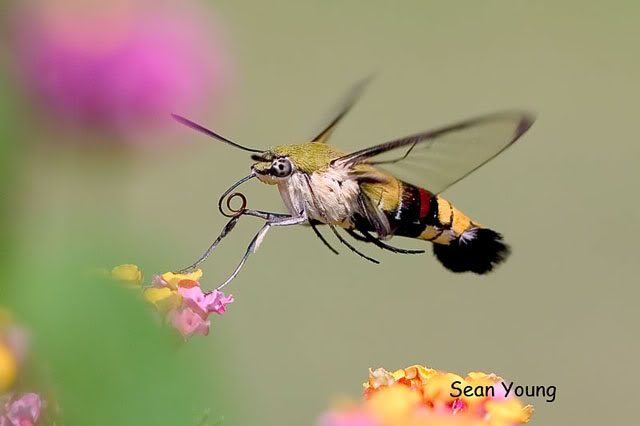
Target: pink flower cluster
182, 302
117, 66
21, 410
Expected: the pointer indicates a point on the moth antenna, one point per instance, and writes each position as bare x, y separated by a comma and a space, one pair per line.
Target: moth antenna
202, 129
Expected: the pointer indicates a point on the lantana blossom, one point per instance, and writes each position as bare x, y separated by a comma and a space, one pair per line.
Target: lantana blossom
421, 396
185, 305
179, 299
117, 66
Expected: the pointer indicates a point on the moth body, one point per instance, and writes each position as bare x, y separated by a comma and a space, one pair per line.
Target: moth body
365, 198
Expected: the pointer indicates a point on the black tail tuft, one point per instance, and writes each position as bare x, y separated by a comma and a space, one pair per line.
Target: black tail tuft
477, 252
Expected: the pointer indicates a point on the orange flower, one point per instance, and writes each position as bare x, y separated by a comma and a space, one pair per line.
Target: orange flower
421, 396
478, 393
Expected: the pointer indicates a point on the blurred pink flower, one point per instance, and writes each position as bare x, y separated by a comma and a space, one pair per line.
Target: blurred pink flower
22, 411
119, 67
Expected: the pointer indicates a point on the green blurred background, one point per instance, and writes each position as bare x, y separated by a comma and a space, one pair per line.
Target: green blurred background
562, 311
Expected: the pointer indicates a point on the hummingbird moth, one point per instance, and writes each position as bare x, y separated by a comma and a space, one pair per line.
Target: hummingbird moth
383, 191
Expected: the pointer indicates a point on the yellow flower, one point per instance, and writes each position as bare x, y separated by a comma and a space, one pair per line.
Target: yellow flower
164, 299
128, 274
8, 368
173, 279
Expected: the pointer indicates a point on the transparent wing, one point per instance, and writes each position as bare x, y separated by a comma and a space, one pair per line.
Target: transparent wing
345, 106
439, 158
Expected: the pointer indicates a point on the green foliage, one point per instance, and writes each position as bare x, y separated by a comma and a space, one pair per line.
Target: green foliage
104, 354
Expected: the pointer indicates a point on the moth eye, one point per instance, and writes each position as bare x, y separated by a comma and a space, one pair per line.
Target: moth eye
281, 167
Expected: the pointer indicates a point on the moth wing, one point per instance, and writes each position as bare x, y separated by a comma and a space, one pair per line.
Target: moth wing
439, 158
346, 104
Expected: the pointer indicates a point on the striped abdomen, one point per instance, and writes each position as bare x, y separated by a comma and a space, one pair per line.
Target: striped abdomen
460, 244
420, 214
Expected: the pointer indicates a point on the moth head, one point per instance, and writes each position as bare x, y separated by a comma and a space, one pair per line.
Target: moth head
271, 168
280, 162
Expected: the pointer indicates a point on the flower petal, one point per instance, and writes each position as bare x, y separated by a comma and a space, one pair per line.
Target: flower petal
173, 279
203, 303
129, 274
158, 282
164, 299
189, 323
217, 302
194, 299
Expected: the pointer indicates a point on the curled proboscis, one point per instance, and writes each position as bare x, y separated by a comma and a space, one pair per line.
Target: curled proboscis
238, 211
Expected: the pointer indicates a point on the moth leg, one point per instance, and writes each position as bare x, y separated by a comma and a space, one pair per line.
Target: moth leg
356, 236
268, 216
319, 235
353, 249
257, 240
370, 238
227, 228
